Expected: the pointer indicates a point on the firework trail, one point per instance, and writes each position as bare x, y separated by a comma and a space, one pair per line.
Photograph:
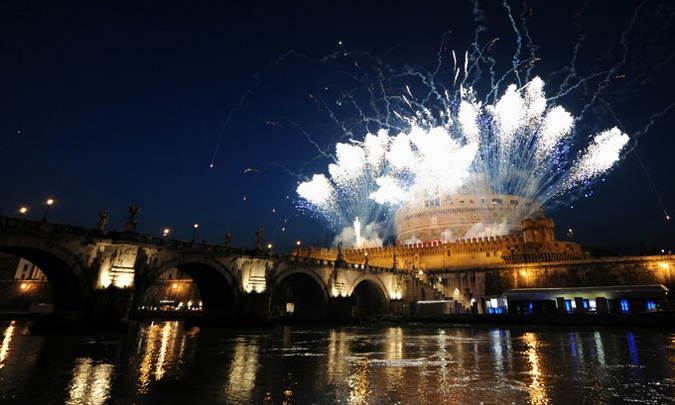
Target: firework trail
517, 146
471, 128
434, 140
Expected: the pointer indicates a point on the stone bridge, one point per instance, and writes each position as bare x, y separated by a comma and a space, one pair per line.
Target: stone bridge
103, 275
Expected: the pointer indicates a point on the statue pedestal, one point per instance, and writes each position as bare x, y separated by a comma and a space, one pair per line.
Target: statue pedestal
340, 309
130, 231
254, 307
112, 304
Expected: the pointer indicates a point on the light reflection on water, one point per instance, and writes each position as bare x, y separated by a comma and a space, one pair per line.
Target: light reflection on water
160, 348
537, 387
419, 364
6, 338
90, 384
241, 376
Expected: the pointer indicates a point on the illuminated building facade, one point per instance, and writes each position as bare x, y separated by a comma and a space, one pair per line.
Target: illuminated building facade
423, 229
452, 217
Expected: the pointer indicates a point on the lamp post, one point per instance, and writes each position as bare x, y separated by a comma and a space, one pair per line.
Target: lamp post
526, 274
175, 295
194, 233
23, 211
166, 232
49, 203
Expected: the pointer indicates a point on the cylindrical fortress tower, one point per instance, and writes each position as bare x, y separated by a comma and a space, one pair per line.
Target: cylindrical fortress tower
538, 230
459, 216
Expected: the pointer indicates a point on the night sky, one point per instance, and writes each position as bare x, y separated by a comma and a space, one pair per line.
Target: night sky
108, 104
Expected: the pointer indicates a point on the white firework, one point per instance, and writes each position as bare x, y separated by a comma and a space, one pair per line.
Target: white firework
518, 145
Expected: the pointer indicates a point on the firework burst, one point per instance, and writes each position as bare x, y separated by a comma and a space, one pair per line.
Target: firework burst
442, 133
518, 145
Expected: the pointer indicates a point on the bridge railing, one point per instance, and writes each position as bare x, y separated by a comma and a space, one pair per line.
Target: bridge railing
356, 266
43, 227
22, 224
207, 247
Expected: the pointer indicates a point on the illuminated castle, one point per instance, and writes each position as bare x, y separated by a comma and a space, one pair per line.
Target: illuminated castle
440, 229
461, 216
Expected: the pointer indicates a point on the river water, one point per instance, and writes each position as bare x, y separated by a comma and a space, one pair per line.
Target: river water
165, 363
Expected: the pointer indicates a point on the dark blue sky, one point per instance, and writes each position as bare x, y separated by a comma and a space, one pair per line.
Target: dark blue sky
107, 104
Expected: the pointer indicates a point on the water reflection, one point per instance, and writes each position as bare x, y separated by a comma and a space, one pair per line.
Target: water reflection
242, 374
537, 388
359, 384
393, 351
502, 352
444, 376
632, 348
147, 351
90, 383
338, 354
168, 364
6, 338
598, 353
337, 351
160, 348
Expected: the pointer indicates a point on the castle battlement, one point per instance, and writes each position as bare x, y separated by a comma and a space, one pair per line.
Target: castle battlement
536, 243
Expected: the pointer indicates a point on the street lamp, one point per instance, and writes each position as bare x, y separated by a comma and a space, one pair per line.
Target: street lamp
49, 203
194, 233
23, 211
526, 274
166, 231
297, 251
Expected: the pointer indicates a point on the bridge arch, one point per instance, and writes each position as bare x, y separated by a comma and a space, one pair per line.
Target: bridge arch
216, 284
303, 287
73, 289
369, 296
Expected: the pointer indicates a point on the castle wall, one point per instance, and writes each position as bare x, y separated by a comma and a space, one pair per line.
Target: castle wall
467, 270
451, 217
538, 230
465, 284
438, 255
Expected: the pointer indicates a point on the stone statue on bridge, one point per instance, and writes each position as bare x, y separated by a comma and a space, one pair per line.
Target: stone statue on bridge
133, 212
102, 220
131, 223
228, 239
340, 261
259, 239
